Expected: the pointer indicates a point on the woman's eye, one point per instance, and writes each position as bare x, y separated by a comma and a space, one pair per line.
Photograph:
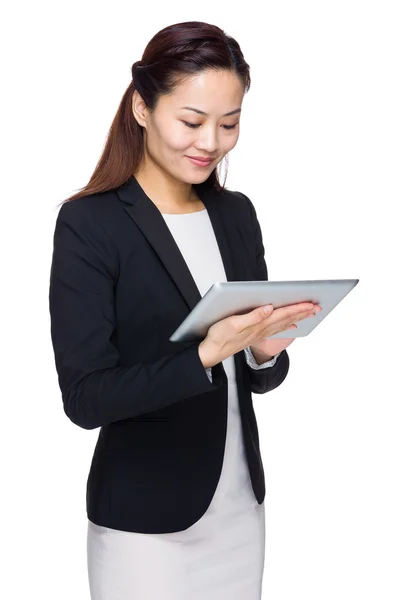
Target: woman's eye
195, 125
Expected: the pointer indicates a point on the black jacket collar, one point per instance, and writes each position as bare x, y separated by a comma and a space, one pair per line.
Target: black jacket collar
148, 218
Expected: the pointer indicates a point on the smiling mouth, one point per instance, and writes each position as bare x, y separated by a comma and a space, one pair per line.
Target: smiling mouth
201, 163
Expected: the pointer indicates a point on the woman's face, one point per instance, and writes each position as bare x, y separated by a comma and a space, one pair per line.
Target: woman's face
172, 133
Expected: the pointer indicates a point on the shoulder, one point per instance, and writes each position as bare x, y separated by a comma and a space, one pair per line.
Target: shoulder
89, 219
235, 196
81, 230
94, 216
240, 203
92, 207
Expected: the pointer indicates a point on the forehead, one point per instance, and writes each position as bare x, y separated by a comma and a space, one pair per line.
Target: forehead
214, 92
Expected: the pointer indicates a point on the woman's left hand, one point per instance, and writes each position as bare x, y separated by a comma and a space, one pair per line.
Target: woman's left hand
272, 346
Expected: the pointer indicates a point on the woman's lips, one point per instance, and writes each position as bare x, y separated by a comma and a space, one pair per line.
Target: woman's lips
200, 163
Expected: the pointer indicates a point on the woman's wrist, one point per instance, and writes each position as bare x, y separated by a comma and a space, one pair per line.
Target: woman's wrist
205, 355
260, 357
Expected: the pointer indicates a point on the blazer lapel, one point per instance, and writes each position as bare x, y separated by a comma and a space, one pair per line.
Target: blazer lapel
148, 218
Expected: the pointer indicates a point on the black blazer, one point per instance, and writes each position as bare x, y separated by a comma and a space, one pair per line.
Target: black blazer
119, 287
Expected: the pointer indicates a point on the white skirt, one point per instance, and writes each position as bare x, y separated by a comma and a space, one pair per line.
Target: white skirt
220, 557
212, 565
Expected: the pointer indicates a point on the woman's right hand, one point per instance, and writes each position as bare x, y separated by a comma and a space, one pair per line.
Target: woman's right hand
232, 334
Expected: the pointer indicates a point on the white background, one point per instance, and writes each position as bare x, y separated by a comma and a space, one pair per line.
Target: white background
327, 155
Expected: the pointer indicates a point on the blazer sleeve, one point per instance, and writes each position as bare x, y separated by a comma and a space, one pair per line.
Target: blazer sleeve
251, 361
269, 378
96, 389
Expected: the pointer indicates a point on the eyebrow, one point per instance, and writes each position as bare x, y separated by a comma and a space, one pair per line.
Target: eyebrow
201, 112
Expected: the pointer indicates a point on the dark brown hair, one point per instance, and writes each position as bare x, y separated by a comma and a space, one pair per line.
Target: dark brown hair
172, 55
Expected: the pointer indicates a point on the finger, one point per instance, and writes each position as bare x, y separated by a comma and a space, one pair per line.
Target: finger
284, 324
290, 316
294, 310
253, 318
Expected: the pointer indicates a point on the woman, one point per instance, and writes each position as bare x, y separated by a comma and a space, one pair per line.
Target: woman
176, 486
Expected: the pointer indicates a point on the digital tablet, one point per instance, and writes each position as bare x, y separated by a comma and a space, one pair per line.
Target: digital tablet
226, 298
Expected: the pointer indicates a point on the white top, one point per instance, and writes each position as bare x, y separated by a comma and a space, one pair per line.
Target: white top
187, 243
221, 556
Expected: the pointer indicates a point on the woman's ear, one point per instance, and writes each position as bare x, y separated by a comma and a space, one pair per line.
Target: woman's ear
139, 109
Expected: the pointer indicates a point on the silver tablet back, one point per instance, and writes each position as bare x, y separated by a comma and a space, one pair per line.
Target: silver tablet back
226, 298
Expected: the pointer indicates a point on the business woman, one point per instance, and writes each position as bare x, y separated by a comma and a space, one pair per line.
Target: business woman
175, 492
